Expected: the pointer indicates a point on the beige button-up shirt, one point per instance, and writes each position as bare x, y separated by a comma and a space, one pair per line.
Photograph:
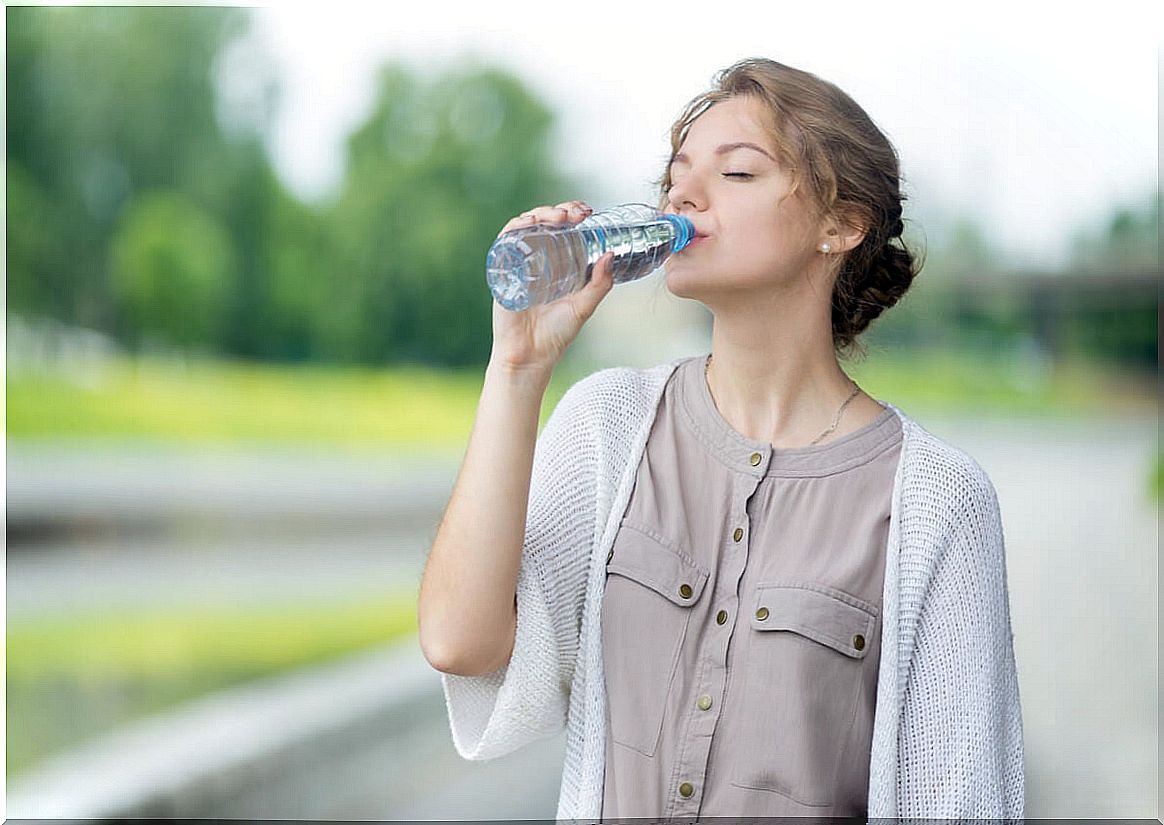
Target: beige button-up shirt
741, 626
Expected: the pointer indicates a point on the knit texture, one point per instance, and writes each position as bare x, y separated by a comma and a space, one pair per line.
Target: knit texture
947, 733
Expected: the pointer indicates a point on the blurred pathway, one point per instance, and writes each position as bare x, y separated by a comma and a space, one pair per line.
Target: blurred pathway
150, 526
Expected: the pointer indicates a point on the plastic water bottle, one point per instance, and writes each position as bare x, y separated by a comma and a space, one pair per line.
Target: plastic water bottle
541, 263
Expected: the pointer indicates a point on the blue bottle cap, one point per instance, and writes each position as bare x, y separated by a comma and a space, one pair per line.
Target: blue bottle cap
684, 231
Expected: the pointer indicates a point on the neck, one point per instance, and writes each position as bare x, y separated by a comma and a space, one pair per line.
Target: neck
775, 377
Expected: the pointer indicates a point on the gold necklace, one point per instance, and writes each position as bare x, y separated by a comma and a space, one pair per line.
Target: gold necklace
836, 419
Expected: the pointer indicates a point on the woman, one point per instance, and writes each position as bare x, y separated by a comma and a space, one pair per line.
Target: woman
744, 586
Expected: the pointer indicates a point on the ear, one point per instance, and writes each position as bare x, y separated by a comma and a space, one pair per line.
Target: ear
845, 233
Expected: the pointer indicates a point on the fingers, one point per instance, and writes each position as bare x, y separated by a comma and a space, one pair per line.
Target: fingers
570, 211
575, 210
567, 212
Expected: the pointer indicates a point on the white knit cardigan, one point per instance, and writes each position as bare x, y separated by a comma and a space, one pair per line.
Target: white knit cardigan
947, 732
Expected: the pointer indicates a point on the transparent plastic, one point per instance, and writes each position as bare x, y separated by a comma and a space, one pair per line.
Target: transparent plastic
541, 263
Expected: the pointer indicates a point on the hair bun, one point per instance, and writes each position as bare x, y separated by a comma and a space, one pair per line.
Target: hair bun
861, 296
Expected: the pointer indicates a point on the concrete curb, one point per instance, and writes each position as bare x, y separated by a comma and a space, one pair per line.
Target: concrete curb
149, 768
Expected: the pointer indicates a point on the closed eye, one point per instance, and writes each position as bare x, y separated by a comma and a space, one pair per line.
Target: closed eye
743, 175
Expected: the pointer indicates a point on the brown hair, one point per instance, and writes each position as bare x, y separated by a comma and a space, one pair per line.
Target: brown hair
851, 173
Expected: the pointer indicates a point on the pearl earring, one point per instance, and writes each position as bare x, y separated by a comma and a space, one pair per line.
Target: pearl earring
825, 248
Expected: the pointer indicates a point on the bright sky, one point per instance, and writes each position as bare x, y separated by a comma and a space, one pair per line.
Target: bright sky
1035, 119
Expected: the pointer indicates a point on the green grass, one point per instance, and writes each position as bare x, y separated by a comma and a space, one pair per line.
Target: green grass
231, 402
412, 409
961, 382
71, 677
1156, 481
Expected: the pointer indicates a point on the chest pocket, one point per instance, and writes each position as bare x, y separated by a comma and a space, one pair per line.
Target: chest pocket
651, 587
807, 649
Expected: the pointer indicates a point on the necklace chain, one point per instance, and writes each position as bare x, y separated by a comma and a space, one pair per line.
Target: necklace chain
836, 418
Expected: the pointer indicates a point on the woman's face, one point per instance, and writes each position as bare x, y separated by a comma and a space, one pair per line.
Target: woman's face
726, 179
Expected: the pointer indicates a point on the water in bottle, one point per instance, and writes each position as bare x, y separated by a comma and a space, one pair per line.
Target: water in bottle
539, 264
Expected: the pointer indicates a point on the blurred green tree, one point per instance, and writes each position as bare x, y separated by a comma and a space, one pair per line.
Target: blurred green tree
1129, 239
105, 104
432, 175
303, 289
34, 255
1121, 323
172, 269
119, 121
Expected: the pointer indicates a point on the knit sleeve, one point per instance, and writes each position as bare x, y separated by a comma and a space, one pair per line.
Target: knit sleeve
961, 736
527, 699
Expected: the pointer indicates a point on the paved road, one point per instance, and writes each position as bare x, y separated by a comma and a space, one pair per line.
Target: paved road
64, 576
140, 487
1083, 568
146, 526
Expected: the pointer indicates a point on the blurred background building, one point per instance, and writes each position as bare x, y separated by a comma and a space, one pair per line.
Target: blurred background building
247, 324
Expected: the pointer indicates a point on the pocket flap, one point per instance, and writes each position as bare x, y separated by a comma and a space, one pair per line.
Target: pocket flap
823, 614
652, 562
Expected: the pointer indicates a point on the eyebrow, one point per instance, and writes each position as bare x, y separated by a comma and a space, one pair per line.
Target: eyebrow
724, 149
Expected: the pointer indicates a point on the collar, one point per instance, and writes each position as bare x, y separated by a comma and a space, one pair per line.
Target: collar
760, 458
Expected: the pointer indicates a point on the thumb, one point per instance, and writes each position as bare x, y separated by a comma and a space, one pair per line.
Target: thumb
602, 279
586, 300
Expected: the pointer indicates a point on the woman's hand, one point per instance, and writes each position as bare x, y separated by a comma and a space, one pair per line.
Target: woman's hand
533, 340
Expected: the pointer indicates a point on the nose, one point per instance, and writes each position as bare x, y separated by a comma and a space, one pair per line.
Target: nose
686, 194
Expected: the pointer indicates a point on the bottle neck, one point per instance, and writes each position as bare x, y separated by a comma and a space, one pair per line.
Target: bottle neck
684, 231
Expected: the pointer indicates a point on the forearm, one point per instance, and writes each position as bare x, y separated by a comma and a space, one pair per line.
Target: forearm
467, 609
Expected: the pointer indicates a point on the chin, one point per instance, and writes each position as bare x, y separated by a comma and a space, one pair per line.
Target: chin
681, 284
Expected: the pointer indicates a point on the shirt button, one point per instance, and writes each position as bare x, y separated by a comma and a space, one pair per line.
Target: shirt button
738, 534
859, 642
755, 459
721, 617
704, 702
686, 789
685, 591
762, 613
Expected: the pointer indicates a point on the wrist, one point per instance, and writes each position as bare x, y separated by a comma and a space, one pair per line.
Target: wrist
523, 377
